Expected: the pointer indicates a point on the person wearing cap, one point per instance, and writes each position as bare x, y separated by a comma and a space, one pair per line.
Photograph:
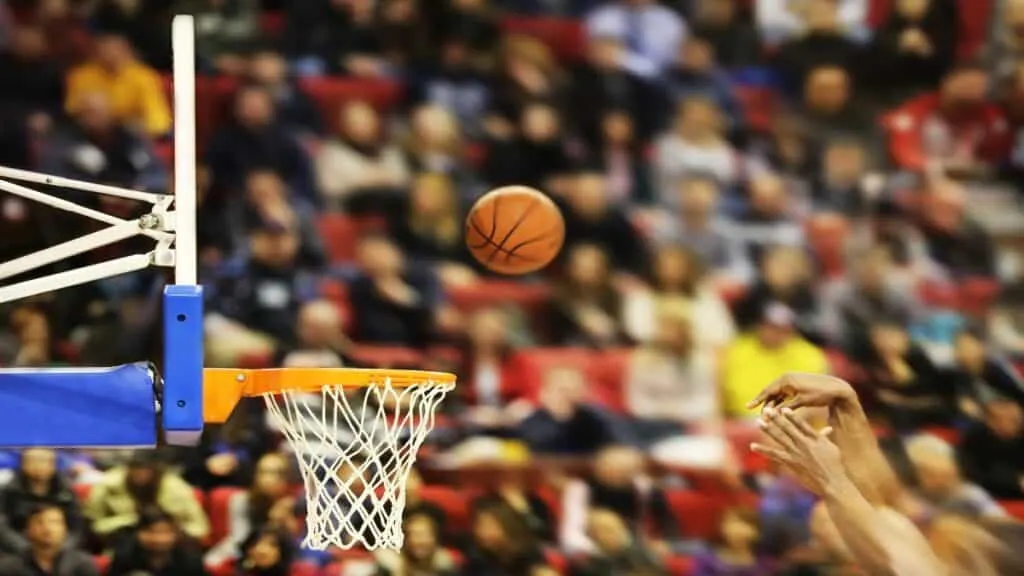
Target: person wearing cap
773, 347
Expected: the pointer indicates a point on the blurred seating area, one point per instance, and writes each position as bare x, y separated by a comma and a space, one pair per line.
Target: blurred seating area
750, 188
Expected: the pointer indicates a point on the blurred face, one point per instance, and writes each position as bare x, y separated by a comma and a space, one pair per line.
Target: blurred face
697, 55
773, 335
617, 128
588, 266
718, 12
827, 90
94, 114
254, 108
673, 269
378, 257
268, 68
420, 538
113, 51
821, 15
1005, 419
432, 196
698, 119
540, 123
142, 475
488, 329
874, 269
361, 123
434, 126
265, 553
698, 197
767, 195
912, 9
271, 476
265, 188
937, 475
844, 163
47, 529
618, 467
29, 42
319, 324
605, 52
588, 197
274, 248
158, 538
944, 206
608, 531
737, 532
968, 350
488, 532
782, 269
413, 483
890, 340
38, 464
563, 385
964, 89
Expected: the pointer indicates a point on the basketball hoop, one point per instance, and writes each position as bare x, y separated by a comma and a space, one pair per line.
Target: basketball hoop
355, 434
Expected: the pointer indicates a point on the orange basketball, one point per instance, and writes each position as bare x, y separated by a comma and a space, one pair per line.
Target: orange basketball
515, 230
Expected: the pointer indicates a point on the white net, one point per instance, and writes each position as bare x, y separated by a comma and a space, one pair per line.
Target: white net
355, 448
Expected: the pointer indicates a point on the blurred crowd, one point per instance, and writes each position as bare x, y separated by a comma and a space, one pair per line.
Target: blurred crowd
750, 187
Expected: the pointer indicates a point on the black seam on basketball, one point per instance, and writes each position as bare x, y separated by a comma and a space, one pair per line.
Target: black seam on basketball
490, 242
494, 219
512, 251
512, 230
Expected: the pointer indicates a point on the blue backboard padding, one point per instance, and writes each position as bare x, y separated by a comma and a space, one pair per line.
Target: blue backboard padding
183, 364
102, 407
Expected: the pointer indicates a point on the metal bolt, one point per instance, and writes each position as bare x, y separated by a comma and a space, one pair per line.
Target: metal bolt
240, 377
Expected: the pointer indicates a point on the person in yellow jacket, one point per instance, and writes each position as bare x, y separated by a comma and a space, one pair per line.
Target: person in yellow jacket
136, 91
759, 356
114, 503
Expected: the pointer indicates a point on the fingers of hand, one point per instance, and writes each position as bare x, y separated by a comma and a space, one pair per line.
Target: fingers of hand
797, 423
769, 424
783, 421
771, 452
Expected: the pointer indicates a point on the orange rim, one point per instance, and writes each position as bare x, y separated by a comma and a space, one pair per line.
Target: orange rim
224, 387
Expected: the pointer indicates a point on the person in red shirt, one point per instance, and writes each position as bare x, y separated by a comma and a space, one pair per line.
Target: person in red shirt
954, 131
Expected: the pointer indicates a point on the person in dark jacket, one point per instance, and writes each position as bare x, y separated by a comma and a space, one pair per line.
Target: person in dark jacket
267, 552
502, 544
991, 453
978, 377
48, 550
158, 548
36, 483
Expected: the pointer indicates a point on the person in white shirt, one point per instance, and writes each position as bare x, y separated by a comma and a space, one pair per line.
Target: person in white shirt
651, 32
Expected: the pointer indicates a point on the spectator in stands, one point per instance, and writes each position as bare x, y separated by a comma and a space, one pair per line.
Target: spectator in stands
143, 24
779, 20
434, 143
678, 281
699, 224
618, 484
516, 490
616, 551
1005, 41
36, 484
475, 23
871, 293
991, 453
670, 384
135, 91
955, 241
416, 505
784, 277
940, 483
590, 218
734, 552
226, 454
829, 108
268, 552
954, 130
33, 344
1006, 322
788, 150
770, 349
602, 82
697, 143
735, 40
157, 547
915, 47
696, 73
586, 306
620, 155
359, 158
35, 83
564, 423
827, 554
295, 109
48, 550
257, 297
769, 219
225, 32
823, 43
268, 502
650, 33
456, 84
320, 339
496, 382
255, 139
118, 502
394, 301
979, 376
422, 553
528, 73
903, 379
502, 545
97, 146
428, 227
403, 37
534, 154
843, 184
329, 37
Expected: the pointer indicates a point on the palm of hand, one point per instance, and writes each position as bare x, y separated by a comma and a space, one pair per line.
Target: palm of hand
806, 453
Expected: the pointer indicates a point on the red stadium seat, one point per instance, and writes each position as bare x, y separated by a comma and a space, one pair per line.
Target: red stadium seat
544, 359
341, 233
609, 373
82, 491
677, 565
758, 103
1014, 508
566, 37
454, 502
973, 29
272, 23
977, 295
939, 295
102, 563
529, 298
557, 561
827, 235
386, 356
331, 93
219, 501
698, 514
337, 293
304, 569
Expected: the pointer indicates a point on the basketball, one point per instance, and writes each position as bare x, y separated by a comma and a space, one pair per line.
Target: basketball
514, 230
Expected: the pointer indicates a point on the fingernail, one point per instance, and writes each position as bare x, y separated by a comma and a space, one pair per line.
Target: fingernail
787, 410
761, 423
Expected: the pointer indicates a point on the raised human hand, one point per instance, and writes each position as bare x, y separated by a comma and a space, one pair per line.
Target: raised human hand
803, 390
806, 453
